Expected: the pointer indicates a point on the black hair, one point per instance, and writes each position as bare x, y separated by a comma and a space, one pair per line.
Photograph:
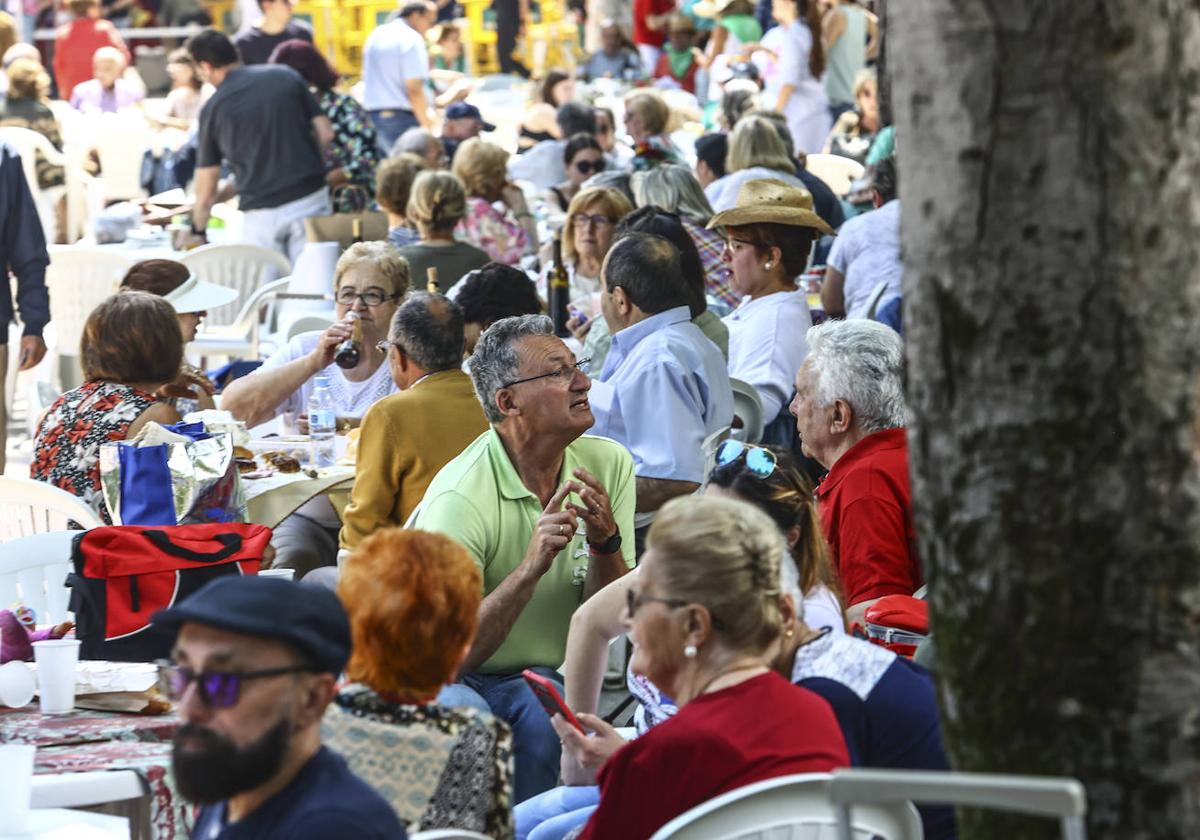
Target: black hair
497, 291
575, 118
885, 179
667, 225
647, 266
712, 148
577, 144
213, 47
429, 329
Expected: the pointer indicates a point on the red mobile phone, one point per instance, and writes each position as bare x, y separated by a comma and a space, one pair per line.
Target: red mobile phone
547, 694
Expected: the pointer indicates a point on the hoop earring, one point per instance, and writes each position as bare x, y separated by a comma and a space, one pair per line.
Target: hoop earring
690, 651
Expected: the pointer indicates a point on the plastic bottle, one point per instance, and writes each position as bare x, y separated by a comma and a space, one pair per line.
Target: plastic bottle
322, 422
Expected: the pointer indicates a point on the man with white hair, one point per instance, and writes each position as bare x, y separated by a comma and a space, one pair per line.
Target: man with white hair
849, 410
107, 91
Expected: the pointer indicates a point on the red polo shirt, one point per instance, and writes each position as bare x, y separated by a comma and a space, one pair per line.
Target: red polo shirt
866, 510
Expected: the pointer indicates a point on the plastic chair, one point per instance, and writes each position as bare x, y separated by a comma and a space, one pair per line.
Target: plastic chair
35, 507
246, 268
240, 338
83, 790
79, 280
34, 570
29, 144
710, 446
121, 140
747, 405
1046, 796
793, 807
836, 171
307, 323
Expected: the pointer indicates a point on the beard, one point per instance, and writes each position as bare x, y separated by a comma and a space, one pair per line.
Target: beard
219, 769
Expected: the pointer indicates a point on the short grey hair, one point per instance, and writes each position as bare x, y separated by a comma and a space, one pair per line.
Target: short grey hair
429, 329
859, 361
414, 142
674, 189
495, 361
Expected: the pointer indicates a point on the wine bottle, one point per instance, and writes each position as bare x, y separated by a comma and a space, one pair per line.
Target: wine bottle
350, 350
431, 280
559, 288
356, 230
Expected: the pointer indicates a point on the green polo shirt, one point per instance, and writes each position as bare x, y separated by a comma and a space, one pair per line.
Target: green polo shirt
478, 499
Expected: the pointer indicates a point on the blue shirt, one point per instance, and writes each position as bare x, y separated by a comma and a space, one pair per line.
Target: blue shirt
663, 390
886, 707
324, 800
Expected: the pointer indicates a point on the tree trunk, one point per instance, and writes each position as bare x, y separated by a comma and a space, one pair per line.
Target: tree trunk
1050, 179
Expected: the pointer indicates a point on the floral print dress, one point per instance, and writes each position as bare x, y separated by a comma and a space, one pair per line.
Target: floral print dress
495, 232
66, 449
355, 149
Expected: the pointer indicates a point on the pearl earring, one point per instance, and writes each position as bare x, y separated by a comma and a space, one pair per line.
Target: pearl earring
690, 651
767, 266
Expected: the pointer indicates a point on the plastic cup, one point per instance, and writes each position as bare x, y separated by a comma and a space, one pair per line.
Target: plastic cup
17, 684
56, 660
286, 574
16, 786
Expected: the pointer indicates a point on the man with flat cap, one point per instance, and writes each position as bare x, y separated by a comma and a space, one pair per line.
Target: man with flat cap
255, 663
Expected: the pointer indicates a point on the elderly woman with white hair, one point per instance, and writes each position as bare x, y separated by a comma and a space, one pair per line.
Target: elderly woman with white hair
849, 410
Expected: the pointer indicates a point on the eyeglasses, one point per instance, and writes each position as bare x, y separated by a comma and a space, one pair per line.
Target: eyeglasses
219, 689
596, 219
587, 167
564, 374
633, 600
732, 246
387, 344
760, 462
371, 297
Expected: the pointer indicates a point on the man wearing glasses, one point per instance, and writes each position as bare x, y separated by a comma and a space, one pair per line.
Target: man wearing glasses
547, 513
255, 663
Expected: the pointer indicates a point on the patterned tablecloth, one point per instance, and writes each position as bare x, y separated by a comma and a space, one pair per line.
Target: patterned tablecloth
87, 740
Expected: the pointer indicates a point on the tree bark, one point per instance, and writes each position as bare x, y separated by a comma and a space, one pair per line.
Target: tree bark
1050, 180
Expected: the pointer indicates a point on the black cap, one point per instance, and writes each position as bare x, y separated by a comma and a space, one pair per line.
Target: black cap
466, 111
309, 617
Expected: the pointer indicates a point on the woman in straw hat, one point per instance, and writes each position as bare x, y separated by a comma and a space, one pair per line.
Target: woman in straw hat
769, 234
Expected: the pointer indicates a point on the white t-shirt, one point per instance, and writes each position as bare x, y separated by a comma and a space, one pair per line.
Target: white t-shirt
351, 399
767, 343
821, 609
393, 54
867, 252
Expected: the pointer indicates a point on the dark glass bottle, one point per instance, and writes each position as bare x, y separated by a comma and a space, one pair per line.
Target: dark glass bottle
350, 350
559, 292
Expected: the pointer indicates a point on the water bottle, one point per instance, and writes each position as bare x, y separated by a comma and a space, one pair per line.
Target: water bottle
322, 422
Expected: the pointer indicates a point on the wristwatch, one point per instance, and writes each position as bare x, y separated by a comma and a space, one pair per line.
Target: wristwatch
612, 546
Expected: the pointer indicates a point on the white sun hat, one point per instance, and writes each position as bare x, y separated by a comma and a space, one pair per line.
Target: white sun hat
196, 295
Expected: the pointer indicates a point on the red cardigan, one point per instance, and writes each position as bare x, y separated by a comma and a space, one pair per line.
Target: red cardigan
759, 729
74, 46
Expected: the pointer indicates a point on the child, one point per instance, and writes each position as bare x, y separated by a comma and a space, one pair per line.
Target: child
680, 60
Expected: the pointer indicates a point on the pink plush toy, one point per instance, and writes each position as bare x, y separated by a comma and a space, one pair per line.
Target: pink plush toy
18, 633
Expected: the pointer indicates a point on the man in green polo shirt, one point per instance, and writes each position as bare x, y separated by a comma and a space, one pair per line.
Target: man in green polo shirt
543, 510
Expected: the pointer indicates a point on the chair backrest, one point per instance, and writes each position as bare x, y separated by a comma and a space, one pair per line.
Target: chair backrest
34, 570
710, 446
1045, 796
836, 171
792, 807
307, 323
121, 140
747, 405
240, 267
40, 396
35, 507
28, 143
79, 280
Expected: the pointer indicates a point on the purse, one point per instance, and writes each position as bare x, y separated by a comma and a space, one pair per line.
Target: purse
362, 225
123, 574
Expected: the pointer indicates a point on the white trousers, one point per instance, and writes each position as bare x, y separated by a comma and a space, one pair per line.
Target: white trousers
282, 228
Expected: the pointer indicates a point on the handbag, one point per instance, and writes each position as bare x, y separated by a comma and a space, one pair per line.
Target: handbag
123, 574
362, 225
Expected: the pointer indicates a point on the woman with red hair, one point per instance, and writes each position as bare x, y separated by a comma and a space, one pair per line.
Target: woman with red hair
413, 601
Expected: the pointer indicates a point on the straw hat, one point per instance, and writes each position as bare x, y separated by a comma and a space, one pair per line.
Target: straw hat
771, 201
710, 8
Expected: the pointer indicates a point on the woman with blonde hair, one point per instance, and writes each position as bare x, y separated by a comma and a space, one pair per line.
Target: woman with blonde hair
756, 151
412, 598
647, 116
393, 186
497, 219
26, 107
436, 204
587, 234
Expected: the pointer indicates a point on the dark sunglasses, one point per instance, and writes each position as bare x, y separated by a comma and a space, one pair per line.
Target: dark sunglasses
761, 462
587, 166
219, 689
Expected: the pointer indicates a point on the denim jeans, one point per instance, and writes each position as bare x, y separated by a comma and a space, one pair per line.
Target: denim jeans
536, 748
390, 124
551, 815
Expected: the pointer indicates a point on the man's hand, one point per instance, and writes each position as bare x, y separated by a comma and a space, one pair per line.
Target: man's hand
327, 345
585, 754
33, 348
596, 511
553, 532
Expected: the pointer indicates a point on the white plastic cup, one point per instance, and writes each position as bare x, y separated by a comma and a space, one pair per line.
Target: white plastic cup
56, 660
286, 574
17, 684
16, 786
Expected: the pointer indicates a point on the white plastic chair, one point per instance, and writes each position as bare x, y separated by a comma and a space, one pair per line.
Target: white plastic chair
307, 323
79, 279
34, 570
35, 507
121, 140
83, 790
245, 268
28, 144
747, 405
711, 444
239, 338
836, 171
1045, 796
793, 807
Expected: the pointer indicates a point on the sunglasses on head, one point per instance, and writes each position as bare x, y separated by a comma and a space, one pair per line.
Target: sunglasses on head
587, 167
218, 689
760, 462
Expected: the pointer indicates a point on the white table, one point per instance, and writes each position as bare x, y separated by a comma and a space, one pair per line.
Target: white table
65, 824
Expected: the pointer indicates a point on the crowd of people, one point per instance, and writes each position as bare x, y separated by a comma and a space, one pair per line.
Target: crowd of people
529, 488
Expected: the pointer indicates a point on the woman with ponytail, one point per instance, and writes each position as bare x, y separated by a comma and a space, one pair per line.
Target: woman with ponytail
436, 205
796, 89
